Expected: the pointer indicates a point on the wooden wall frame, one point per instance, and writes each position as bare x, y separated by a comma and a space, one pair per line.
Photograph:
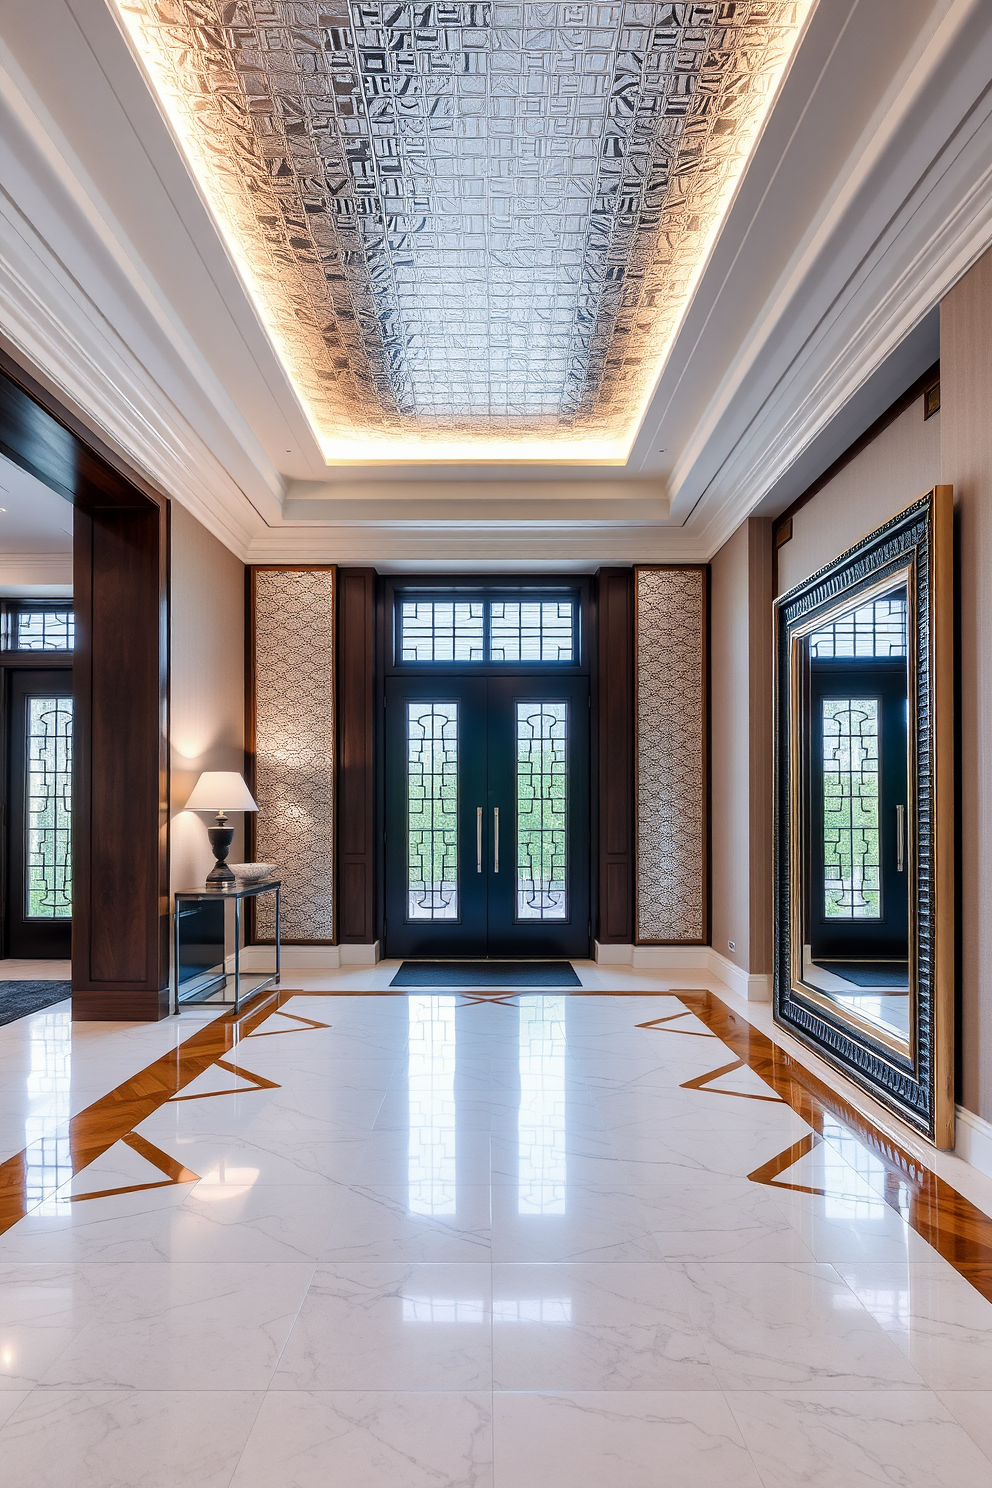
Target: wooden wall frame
356, 919
120, 933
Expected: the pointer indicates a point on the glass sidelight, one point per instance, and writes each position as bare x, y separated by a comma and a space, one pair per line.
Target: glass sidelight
37, 919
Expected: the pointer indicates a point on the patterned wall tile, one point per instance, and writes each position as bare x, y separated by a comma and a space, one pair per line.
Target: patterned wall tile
468, 220
671, 753
294, 747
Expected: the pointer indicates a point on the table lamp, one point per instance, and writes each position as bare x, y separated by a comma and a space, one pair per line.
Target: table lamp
221, 791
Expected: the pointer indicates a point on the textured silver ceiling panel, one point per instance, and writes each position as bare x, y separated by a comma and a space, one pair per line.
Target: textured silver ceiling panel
468, 222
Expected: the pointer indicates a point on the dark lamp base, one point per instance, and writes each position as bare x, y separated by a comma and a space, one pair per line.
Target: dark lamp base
220, 843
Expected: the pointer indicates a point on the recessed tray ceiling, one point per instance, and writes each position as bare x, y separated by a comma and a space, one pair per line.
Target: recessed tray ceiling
471, 230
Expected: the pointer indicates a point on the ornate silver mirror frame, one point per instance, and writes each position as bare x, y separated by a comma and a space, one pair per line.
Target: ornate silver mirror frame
864, 801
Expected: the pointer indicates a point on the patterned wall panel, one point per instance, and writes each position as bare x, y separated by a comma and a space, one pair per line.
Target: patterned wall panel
671, 754
294, 746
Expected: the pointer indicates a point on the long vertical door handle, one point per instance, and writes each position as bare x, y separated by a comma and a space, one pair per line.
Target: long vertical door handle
900, 838
495, 839
478, 839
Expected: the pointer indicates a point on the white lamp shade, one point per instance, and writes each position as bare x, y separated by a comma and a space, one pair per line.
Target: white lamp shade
220, 790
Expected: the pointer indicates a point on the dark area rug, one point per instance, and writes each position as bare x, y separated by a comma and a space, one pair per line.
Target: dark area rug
486, 974
18, 999
892, 974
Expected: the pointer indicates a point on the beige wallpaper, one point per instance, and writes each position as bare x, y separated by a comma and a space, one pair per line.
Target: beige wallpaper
966, 458
740, 748
901, 464
207, 698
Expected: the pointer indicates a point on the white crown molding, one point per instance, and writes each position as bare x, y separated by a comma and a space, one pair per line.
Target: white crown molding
78, 308
36, 568
894, 227
862, 282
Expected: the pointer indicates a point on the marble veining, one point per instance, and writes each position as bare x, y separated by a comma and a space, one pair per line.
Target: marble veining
675, 1259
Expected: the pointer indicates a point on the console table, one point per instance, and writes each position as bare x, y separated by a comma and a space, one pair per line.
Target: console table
237, 892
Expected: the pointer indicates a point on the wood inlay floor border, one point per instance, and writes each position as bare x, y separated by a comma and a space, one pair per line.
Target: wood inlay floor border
956, 1229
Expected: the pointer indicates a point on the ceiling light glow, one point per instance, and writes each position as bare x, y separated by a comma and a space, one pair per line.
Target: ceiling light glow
471, 230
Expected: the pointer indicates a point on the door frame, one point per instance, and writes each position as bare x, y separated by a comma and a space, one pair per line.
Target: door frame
120, 563
584, 587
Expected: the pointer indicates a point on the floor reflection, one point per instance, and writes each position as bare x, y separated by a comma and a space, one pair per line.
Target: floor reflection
431, 1085
46, 1134
541, 1119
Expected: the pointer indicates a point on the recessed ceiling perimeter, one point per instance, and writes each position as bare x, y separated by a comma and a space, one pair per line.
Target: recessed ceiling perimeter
470, 230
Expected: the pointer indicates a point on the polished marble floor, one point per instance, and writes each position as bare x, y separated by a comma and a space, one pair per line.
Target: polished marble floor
430, 1240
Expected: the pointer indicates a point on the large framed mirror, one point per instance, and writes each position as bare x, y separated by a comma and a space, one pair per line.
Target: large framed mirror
864, 936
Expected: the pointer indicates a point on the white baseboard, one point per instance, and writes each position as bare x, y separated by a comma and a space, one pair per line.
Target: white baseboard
973, 1140
752, 986
308, 958
359, 955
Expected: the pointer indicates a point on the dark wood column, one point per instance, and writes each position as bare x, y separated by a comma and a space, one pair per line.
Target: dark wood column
120, 939
356, 756
615, 640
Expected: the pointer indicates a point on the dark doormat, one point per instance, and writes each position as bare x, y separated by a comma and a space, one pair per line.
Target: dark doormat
18, 999
486, 974
892, 974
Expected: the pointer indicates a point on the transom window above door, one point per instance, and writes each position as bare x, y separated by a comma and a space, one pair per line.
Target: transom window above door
487, 630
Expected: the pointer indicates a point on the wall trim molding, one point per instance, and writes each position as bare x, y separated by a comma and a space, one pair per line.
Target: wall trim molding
308, 958
973, 1140
750, 985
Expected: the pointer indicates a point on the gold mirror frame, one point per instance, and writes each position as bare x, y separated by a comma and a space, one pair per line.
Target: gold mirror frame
912, 1075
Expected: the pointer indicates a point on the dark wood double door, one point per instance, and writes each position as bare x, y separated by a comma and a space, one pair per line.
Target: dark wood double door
487, 850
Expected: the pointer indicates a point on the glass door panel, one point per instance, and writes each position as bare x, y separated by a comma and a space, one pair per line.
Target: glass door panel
38, 901
432, 811
542, 810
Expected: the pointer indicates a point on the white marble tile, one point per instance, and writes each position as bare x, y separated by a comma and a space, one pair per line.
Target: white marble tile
443, 1223
126, 1438
186, 1327
858, 1439
42, 1309
386, 1157
844, 1229
392, 1327
223, 1223
548, 1219
933, 1315
665, 1439
972, 1409
369, 1440
731, 1221
579, 1326
769, 1326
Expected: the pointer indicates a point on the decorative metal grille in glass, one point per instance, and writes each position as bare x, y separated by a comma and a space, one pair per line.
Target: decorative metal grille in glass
48, 802
432, 811
542, 1163
877, 629
532, 631
542, 810
41, 630
851, 876
431, 1082
442, 630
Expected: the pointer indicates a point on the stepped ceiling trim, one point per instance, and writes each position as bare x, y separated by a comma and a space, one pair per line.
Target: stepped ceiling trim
471, 230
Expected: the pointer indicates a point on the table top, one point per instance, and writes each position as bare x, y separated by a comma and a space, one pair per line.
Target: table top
238, 889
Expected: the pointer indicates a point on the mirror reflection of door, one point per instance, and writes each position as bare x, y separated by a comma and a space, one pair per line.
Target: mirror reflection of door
487, 780
857, 810
38, 790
